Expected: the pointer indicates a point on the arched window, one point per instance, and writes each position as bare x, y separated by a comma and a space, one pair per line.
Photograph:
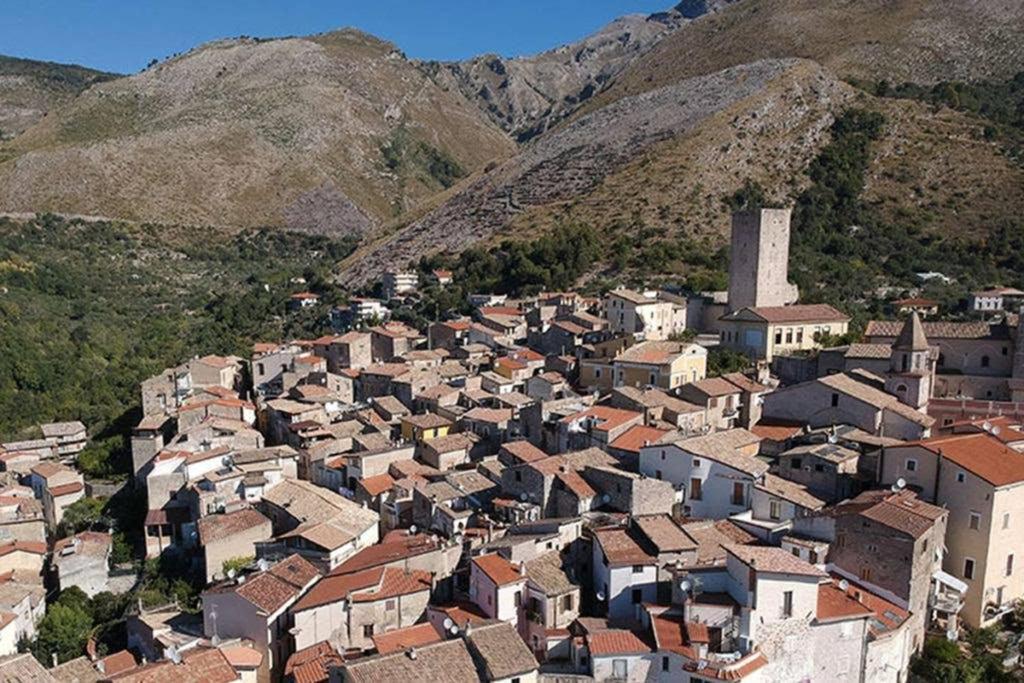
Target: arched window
901, 390
984, 361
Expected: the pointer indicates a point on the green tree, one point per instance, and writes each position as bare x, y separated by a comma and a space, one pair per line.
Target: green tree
84, 513
63, 631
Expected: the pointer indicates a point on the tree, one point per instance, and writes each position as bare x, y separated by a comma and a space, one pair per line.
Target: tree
83, 514
62, 632
722, 361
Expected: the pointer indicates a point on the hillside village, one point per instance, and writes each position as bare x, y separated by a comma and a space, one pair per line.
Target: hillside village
554, 488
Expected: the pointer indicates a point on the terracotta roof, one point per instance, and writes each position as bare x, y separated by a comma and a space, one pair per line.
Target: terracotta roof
523, 451
427, 421
198, 665
243, 656
492, 415
798, 313
636, 437
32, 547
715, 386
663, 532
745, 383
499, 570
501, 650
377, 485
835, 604
405, 638
607, 418
621, 548
789, 490
396, 546
983, 455
313, 664
570, 327
932, 330
632, 296
773, 560
213, 528
116, 663
888, 616
616, 642
915, 301
575, 483
448, 661
654, 352
776, 430
901, 510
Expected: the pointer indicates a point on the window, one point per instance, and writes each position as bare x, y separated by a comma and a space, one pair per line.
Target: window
619, 668
519, 475
517, 599
835, 400
984, 361
567, 602
787, 604
638, 569
1006, 520
968, 568
795, 463
637, 596
695, 492
1009, 564
799, 335
657, 474
795, 551
778, 336
738, 493
961, 477
818, 467
367, 630
840, 540
389, 605
865, 573
975, 520
597, 372
775, 509
664, 663
696, 462
911, 465
663, 455
789, 335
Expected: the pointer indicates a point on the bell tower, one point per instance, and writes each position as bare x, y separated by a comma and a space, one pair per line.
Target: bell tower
911, 368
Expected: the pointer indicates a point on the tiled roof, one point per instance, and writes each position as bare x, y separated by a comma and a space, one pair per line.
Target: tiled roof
214, 528
664, 533
395, 547
983, 455
835, 604
573, 482
888, 616
499, 570
492, 415
789, 490
854, 388
636, 437
405, 638
501, 650
377, 485
116, 663
448, 661
524, 451
798, 313
617, 642
654, 352
198, 665
33, 547
715, 386
243, 656
547, 573
776, 430
313, 664
621, 548
723, 447
745, 383
934, 330
773, 560
607, 418
427, 421
869, 351
902, 510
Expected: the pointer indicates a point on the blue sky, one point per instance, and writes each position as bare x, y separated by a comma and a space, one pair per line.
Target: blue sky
123, 35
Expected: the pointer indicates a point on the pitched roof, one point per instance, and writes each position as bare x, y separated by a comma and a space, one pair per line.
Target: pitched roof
932, 330
835, 604
273, 589
715, 386
198, 665
546, 572
616, 642
448, 661
606, 417
397, 546
888, 616
636, 437
983, 455
499, 570
773, 560
404, 638
621, 548
377, 485
654, 352
524, 451
901, 510
912, 337
213, 528
723, 447
854, 388
501, 651
663, 532
789, 490
313, 664
797, 313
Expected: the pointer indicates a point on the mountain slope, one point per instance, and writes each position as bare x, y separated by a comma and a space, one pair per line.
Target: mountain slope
526, 95
29, 89
921, 41
779, 108
333, 133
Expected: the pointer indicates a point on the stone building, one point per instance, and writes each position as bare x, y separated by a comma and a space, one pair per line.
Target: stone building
759, 260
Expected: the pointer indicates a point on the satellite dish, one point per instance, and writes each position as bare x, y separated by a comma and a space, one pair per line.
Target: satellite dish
600, 596
901, 483
684, 585
844, 584
987, 426
996, 430
413, 529
605, 497
523, 496
454, 630
448, 623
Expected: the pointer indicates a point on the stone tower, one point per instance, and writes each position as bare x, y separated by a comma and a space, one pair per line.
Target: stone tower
911, 367
759, 261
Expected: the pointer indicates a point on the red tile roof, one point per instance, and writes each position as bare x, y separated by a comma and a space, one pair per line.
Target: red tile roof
404, 638
636, 437
835, 604
617, 642
498, 569
799, 313
33, 547
772, 560
524, 451
198, 665
621, 548
369, 585
607, 418
887, 615
378, 484
117, 663
397, 546
313, 664
980, 454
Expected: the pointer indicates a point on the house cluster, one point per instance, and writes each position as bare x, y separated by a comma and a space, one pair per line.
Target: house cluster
555, 487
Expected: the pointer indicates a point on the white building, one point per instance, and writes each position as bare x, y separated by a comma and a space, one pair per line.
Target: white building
497, 586
625, 575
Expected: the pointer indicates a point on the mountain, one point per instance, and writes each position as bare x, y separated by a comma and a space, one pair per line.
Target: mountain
526, 95
333, 133
921, 41
748, 93
29, 89
769, 114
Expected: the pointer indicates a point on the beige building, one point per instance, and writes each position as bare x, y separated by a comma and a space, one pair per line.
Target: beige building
764, 332
650, 315
664, 364
230, 536
981, 481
